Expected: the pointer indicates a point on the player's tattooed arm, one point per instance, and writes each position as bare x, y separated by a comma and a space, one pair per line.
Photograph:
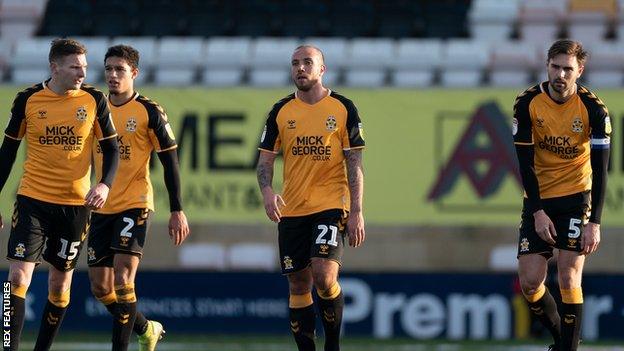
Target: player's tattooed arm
355, 175
264, 171
272, 201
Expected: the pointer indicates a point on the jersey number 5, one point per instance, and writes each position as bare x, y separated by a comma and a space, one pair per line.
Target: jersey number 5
575, 230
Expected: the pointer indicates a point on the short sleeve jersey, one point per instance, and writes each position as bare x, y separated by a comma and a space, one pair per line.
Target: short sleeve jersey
562, 134
312, 139
143, 127
60, 131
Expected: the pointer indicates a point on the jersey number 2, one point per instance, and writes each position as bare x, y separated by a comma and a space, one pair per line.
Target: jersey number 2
125, 232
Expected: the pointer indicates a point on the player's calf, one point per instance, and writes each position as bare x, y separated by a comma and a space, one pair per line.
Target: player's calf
302, 320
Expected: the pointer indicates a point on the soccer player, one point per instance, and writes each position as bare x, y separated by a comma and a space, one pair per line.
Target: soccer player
561, 131
60, 120
320, 133
118, 230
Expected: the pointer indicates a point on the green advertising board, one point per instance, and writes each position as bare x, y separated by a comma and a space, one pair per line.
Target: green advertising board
433, 157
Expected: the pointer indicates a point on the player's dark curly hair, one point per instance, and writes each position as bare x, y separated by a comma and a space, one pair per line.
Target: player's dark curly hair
128, 53
65, 47
568, 47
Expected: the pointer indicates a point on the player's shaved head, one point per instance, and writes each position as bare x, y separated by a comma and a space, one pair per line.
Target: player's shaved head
309, 46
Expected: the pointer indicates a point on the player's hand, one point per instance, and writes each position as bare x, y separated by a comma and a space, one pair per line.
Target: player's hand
272, 203
96, 197
545, 227
355, 228
178, 227
590, 239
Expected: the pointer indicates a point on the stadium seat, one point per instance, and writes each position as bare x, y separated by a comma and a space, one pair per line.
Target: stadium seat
369, 60
177, 60
252, 256
415, 62
225, 60
270, 60
492, 19
30, 61
96, 49
147, 52
463, 62
512, 63
202, 255
19, 18
605, 66
335, 52
588, 27
540, 20
503, 258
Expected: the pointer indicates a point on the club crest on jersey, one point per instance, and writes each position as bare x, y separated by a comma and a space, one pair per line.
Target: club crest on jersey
81, 114
131, 125
288, 263
90, 254
291, 124
42, 114
524, 245
20, 249
577, 125
330, 124
539, 122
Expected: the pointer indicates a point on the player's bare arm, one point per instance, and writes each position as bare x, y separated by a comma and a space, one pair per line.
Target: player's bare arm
8, 153
264, 171
355, 175
178, 224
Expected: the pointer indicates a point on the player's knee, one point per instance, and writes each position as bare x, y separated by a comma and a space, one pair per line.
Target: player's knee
20, 278
59, 299
330, 293
534, 293
324, 281
100, 289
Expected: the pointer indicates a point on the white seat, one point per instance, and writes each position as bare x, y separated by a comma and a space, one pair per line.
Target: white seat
540, 20
6, 51
463, 62
202, 255
605, 66
587, 27
369, 61
254, 256
225, 60
335, 51
29, 62
492, 19
177, 60
19, 19
270, 61
512, 63
415, 62
147, 53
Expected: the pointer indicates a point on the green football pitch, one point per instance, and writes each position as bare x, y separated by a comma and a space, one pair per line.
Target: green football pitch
194, 342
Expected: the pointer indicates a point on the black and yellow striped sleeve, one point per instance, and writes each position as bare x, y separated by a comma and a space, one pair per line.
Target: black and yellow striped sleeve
16, 127
270, 139
158, 128
354, 133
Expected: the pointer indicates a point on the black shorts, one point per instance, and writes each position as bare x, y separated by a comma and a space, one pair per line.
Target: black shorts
568, 213
317, 235
122, 232
57, 231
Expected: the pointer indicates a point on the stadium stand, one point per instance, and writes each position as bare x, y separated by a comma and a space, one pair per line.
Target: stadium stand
368, 43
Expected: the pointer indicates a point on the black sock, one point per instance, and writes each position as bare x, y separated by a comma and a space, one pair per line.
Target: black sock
50, 323
302, 325
331, 314
18, 310
571, 318
140, 323
123, 321
545, 309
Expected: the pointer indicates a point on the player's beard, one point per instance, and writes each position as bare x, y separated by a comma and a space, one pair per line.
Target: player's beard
306, 86
560, 90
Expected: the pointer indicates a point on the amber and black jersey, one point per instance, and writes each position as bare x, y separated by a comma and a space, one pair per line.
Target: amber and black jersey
60, 132
562, 135
313, 138
143, 127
